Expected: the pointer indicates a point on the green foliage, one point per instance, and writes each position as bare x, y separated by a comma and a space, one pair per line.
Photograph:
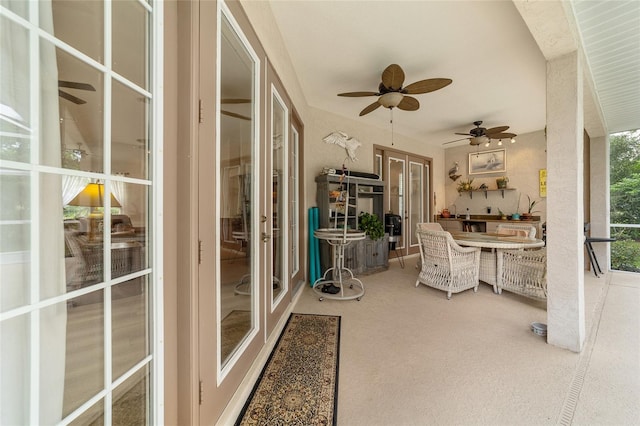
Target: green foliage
625, 177
625, 200
624, 151
532, 204
625, 255
371, 225
465, 185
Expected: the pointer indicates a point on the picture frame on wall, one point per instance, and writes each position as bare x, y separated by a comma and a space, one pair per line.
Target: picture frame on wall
494, 161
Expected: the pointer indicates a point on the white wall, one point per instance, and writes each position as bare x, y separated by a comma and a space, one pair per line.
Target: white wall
319, 154
524, 160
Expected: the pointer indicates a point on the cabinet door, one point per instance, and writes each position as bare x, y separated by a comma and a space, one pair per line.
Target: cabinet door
376, 253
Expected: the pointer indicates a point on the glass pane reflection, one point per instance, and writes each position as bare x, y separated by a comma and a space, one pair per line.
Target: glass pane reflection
236, 195
80, 24
129, 324
15, 120
14, 341
397, 191
416, 200
84, 233
131, 400
81, 123
129, 132
130, 43
279, 128
84, 347
94, 416
15, 238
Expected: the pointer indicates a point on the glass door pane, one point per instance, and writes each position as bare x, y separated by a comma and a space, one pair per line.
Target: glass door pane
279, 175
416, 200
235, 195
396, 179
295, 203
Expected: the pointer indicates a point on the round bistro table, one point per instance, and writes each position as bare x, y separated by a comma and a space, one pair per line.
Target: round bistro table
338, 239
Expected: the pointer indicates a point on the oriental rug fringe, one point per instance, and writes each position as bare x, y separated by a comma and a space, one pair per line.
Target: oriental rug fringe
299, 383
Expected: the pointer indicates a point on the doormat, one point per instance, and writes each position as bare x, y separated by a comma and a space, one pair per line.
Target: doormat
299, 382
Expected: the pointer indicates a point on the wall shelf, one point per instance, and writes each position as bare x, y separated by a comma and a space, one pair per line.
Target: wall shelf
485, 191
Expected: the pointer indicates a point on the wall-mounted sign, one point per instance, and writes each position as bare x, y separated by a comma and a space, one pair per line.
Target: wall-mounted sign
543, 182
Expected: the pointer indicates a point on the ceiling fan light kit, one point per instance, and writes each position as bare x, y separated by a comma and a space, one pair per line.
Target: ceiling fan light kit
391, 99
481, 135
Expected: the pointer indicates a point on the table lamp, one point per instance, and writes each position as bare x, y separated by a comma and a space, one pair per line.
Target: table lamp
92, 196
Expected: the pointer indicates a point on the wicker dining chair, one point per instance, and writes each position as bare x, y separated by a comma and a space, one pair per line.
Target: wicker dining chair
445, 265
488, 257
523, 272
426, 226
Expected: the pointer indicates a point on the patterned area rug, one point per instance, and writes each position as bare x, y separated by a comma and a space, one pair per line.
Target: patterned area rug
299, 383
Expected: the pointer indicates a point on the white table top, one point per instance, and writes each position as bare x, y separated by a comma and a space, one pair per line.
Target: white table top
339, 234
490, 240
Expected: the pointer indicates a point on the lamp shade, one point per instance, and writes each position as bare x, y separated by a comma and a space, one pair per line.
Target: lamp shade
92, 196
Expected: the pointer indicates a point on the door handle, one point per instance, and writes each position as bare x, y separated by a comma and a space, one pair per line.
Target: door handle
265, 237
263, 218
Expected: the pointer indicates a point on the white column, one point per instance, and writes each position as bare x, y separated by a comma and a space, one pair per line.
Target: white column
565, 236
600, 203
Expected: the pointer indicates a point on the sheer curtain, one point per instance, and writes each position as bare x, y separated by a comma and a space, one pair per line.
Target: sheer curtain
53, 320
16, 350
71, 186
119, 190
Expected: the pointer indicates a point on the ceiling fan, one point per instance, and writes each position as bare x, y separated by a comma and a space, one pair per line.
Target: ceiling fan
480, 135
74, 85
392, 94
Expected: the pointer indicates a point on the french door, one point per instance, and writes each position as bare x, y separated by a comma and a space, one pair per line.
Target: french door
245, 204
407, 186
81, 217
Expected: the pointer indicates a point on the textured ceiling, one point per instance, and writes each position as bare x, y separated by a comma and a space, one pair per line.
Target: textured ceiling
485, 47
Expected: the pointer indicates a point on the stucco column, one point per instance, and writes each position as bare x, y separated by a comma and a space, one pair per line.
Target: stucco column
565, 236
600, 203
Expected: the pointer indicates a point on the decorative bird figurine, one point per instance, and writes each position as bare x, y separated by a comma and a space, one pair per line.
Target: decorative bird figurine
452, 172
345, 141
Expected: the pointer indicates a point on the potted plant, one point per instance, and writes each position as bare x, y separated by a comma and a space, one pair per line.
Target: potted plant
502, 182
371, 225
502, 214
465, 185
530, 205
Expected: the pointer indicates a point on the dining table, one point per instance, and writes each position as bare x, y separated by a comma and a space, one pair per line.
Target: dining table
495, 241
490, 242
